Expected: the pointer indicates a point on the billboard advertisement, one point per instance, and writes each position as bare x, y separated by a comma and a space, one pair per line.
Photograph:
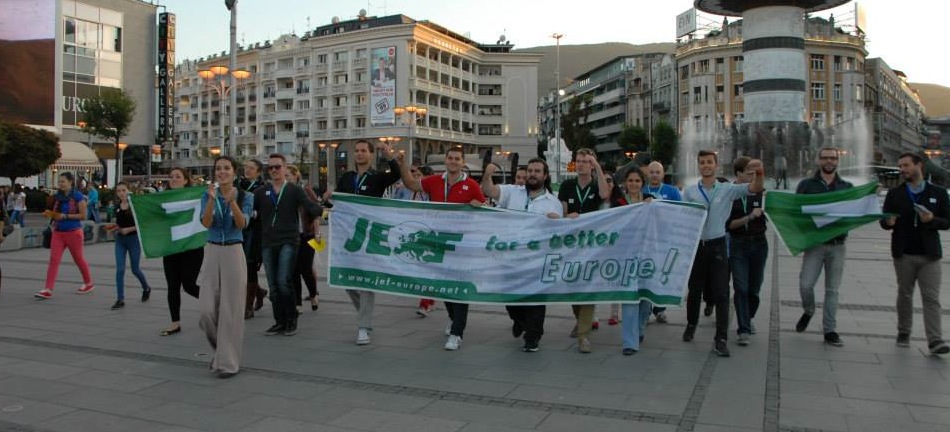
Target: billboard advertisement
860, 18
27, 72
686, 23
382, 91
166, 76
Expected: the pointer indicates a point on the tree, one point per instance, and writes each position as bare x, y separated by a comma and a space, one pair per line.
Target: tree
633, 138
26, 151
664, 147
576, 131
109, 115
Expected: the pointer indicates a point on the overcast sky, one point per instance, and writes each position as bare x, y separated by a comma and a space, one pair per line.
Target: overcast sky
904, 33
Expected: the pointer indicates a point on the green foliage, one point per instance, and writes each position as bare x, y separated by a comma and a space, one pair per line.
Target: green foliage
25, 150
109, 115
576, 132
633, 138
664, 147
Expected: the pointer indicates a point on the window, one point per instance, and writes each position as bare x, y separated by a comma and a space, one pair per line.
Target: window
737, 61
361, 122
339, 101
321, 59
817, 62
737, 90
818, 119
837, 92
339, 124
818, 91
321, 81
340, 79
837, 64
697, 94
361, 53
361, 99
340, 56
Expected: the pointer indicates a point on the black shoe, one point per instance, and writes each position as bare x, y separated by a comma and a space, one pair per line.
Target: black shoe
146, 294
119, 304
530, 347
939, 347
226, 375
516, 330
261, 293
274, 330
720, 348
689, 333
629, 351
803, 323
832, 338
708, 310
290, 329
903, 340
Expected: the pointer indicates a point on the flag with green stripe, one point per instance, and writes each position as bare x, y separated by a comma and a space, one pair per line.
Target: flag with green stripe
807, 220
169, 222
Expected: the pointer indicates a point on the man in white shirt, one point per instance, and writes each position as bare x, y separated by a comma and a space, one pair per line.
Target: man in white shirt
533, 197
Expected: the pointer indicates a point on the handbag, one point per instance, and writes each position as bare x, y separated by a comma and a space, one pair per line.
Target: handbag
48, 237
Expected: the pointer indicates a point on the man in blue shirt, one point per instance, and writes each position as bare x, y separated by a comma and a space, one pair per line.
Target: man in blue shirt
711, 265
660, 190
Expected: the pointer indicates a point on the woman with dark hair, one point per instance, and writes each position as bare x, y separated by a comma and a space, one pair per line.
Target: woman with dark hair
66, 216
305, 254
126, 243
225, 212
253, 179
181, 269
635, 316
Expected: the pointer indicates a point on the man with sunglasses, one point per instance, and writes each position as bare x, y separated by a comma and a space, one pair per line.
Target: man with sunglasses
829, 255
365, 180
278, 206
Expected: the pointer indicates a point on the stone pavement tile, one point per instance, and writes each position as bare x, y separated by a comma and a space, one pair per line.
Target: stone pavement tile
801, 418
177, 428
559, 422
896, 396
116, 365
198, 417
273, 424
716, 428
190, 374
857, 423
656, 402
484, 414
42, 370
50, 355
211, 396
548, 379
114, 402
925, 414
635, 387
585, 398
914, 358
728, 409
928, 384
89, 421
8, 348
816, 388
370, 399
812, 346
429, 380
111, 381
370, 420
845, 405
24, 411
34, 388
481, 427
295, 409
275, 387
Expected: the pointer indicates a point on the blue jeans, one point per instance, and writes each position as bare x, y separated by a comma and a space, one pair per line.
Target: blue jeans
127, 245
280, 263
747, 262
634, 325
831, 258
17, 217
93, 213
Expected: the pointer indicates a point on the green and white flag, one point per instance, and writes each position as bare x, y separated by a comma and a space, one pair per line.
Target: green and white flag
169, 222
807, 220
484, 255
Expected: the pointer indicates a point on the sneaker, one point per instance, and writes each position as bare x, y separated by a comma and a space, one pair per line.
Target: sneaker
629, 351
290, 329
274, 330
448, 329
832, 338
661, 318
743, 339
119, 304
583, 346
422, 312
752, 328
453, 343
530, 347
939, 347
903, 340
720, 348
146, 294
708, 310
44, 294
86, 289
802, 323
689, 333
516, 330
573, 334
612, 321
595, 325
362, 338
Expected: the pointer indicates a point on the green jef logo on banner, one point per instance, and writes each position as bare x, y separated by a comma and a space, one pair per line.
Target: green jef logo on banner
169, 222
410, 241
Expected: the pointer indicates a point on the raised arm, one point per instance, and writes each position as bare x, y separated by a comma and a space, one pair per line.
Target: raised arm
758, 183
408, 180
604, 188
489, 188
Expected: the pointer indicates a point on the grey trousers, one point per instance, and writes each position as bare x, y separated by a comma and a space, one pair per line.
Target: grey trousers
364, 302
223, 280
923, 271
831, 259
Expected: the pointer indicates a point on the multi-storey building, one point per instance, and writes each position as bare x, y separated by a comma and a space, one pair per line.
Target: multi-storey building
339, 83
664, 93
898, 112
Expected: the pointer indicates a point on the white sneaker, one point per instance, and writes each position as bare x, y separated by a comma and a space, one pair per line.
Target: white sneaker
453, 343
448, 329
362, 338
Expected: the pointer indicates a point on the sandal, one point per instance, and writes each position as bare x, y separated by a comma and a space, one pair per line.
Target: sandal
170, 331
314, 303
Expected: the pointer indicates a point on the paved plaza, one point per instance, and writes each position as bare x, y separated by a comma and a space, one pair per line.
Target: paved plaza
71, 364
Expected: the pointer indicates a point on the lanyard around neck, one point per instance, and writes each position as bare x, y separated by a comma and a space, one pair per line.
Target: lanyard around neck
582, 198
445, 183
358, 181
702, 190
276, 202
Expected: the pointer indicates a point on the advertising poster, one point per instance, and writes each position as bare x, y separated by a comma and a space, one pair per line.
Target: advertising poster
382, 72
28, 47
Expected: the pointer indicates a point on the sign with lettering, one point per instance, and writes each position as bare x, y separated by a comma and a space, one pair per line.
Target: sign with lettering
166, 76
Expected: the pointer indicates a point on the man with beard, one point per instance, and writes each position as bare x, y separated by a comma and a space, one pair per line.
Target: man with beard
533, 197
920, 209
829, 255
253, 179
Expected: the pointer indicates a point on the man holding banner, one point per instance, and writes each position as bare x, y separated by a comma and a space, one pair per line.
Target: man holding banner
533, 197
711, 266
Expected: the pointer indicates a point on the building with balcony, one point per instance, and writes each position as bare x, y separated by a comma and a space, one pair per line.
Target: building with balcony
898, 115
329, 87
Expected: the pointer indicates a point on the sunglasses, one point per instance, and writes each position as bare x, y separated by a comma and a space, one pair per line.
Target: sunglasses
275, 167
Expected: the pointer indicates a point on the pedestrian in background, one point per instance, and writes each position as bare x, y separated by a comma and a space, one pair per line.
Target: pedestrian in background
304, 269
126, 244
921, 210
253, 178
19, 204
66, 216
182, 268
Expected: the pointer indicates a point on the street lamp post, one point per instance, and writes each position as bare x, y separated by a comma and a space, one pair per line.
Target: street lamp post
328, 148
118, 163
223, 89
415, 113
557, 103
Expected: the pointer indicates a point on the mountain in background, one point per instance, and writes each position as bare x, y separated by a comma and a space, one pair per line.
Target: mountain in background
579, 59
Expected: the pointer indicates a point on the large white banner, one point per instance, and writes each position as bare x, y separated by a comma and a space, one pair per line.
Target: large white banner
483, 255
382, 90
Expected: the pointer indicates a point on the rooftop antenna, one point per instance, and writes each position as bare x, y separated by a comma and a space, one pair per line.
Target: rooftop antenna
308, 23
